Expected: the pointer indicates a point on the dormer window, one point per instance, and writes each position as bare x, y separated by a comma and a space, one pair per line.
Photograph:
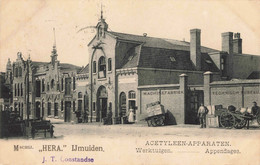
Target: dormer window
208, 61
172, 59
223, 65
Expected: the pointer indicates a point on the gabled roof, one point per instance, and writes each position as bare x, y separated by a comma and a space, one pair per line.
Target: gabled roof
159, 42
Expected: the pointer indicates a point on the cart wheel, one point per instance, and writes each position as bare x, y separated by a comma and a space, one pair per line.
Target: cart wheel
240, 123
227, 120
153, 122
159, 121
149, 123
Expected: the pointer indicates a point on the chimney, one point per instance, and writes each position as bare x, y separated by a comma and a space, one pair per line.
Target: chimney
195, 50
227, 46
227, 42
237, 44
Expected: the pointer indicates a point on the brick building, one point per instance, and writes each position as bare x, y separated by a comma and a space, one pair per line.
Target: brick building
44, 89
125, 67
125, 71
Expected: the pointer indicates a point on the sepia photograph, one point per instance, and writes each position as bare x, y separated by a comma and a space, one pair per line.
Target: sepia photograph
133, 82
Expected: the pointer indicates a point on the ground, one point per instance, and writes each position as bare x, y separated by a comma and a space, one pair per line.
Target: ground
66, 130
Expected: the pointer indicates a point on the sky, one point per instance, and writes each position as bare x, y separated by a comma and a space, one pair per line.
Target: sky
27, 25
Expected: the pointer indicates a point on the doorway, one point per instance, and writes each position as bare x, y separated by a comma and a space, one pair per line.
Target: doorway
132, 105
38, 110
67, 111
101, 103
196, 97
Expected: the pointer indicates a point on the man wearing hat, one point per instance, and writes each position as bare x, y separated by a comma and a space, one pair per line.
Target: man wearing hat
255, 109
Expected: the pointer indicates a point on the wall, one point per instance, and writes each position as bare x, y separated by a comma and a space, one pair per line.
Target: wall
157, 76
173, 97
239, 93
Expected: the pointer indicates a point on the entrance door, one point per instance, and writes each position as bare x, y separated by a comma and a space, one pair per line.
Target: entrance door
67, 111
38, 109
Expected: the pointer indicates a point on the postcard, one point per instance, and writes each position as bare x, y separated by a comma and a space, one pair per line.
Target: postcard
129, 82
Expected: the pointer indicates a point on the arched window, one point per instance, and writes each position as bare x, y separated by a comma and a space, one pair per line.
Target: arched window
102, 67
109, 64
20, 72
52, 83
80, 95
16, 72
131, 95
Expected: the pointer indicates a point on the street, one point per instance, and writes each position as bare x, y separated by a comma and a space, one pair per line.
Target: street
66, 130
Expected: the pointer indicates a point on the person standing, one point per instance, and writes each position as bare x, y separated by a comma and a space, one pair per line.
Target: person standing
131, 115
255, 109
202, 112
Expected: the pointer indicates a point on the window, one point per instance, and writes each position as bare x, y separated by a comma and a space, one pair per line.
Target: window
62, 84
52, 83
56, 105
74, 83
58, 86
48, 86
19, 72
172, 59
38, 88
18, 89
49, 108
14, 89
94, 67
80, 95
67, 86
74, 106
16, 72
208, 61
21, 89
102, 67
61, 105
223, 64
109, 64
43, 85
131, 95
94, 107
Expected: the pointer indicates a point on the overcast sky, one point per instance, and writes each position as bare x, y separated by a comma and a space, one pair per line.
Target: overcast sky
27, 25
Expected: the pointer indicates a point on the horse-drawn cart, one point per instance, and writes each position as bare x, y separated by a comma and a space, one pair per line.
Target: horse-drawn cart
235, 118
156, 114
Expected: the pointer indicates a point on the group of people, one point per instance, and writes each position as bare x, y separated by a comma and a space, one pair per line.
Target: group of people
203, 111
